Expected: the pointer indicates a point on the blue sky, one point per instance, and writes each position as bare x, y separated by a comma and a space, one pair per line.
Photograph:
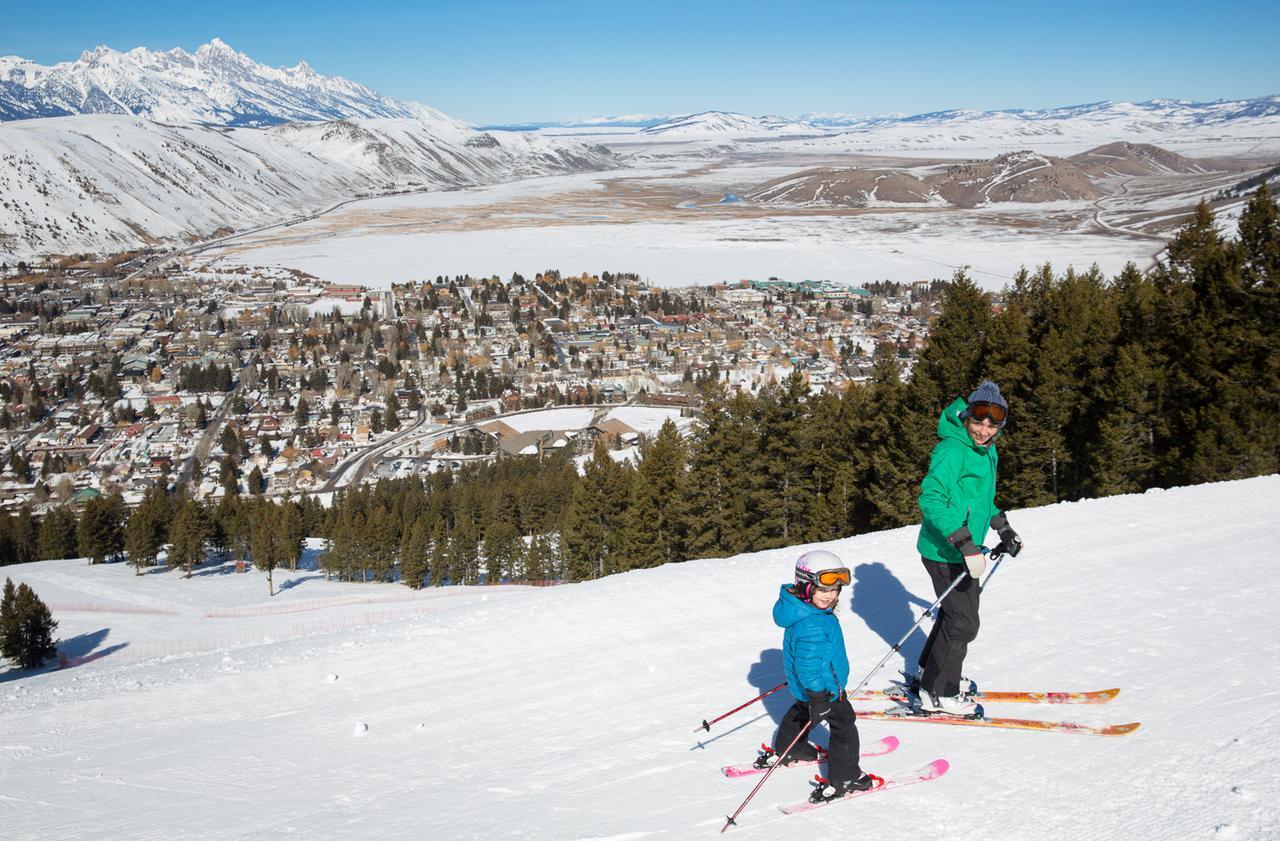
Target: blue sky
485, 61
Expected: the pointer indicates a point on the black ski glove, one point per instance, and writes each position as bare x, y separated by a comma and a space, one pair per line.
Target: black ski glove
963, 541
819, 706
1008, 537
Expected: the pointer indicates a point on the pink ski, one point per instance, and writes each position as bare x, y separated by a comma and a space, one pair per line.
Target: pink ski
885, 746
932, 771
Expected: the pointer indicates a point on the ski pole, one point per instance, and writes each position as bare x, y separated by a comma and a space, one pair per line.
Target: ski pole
706, 725
729, 821
998, 554
898, 645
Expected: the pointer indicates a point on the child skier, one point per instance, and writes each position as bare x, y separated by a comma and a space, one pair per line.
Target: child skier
817, 669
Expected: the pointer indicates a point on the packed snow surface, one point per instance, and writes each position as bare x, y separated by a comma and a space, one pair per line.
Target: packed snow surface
568, 712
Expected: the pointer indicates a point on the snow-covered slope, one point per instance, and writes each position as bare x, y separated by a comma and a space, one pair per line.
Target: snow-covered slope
106, 182
215, 84
568, 712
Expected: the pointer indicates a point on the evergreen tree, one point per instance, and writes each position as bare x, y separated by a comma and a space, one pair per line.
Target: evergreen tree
891, 471
501, 551
229, 476
721, 471
139, 539
439, 560
263, 535
383, 543
26, 627
652, 535
594, 519
1010, 360
100, 533
339, 558
781, 492
952, 362
1122, 457
187, 535
1260, 243
9, 621
538, 564
255, 483
392, 420
1217, 431
56, 538
416, 555
463, 560
23, 535
291, 535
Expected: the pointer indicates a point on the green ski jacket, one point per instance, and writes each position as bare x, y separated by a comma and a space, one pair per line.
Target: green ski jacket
959, 489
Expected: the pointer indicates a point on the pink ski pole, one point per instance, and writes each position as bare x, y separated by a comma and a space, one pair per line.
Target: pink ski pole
774, 767
706, 725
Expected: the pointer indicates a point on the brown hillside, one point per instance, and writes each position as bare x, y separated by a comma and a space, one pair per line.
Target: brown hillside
1133, 159
1017, 176
842, 188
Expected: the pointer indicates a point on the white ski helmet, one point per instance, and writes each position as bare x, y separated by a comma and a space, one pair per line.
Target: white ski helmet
819, 568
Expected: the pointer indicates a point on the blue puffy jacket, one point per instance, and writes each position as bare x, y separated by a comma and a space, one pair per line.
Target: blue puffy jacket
813, 652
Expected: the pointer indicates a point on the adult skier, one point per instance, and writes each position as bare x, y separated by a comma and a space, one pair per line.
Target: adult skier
957, 501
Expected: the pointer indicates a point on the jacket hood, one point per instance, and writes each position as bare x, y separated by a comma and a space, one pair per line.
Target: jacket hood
950, 426
789, 609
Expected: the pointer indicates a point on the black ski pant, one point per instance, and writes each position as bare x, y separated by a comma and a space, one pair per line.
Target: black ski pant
842, 751
955, 627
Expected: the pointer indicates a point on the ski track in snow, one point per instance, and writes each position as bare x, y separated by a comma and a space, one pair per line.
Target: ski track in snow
568, 712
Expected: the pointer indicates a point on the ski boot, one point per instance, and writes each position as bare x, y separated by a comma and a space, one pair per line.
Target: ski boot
825, 790
961, 706
910, 683
808, 752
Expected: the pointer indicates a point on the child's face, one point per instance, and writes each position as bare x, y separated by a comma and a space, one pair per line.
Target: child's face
824, 599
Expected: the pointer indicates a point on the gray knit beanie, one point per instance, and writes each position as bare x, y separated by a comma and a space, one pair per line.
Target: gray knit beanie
986, 392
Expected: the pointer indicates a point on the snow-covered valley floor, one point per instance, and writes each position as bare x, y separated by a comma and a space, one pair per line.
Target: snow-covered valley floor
568, 712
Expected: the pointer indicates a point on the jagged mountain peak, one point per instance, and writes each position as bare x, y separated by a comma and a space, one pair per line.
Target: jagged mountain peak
216, 84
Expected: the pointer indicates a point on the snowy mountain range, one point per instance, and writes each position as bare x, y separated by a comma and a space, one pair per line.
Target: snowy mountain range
715, 124
215, 85
1237, 127
117, 150
103, 182
1150, 118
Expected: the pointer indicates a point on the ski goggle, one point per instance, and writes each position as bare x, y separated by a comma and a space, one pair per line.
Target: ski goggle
988, 411
830, 577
